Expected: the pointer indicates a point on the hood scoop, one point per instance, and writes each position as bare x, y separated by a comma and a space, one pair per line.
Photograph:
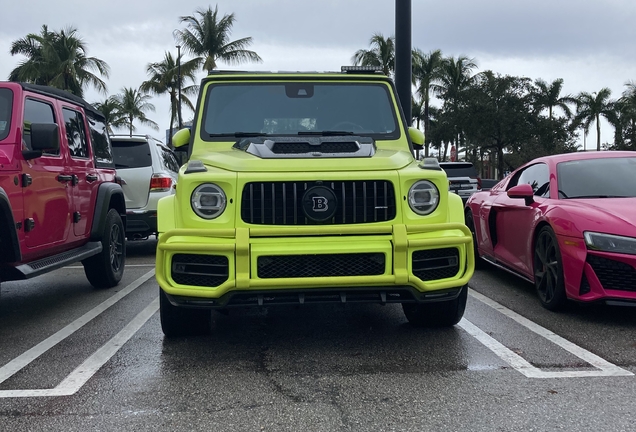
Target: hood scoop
308, 147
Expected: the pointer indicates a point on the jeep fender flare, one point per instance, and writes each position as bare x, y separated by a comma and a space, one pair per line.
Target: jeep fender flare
109, 195
9, 234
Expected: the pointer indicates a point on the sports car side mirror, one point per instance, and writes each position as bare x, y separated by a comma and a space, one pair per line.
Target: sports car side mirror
524, 191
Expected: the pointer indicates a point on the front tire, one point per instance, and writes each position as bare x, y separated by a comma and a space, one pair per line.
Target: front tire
548, 270
106, 269
181, 321
445, 313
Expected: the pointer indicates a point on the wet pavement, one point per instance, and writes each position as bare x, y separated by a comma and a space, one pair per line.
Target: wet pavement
74, 358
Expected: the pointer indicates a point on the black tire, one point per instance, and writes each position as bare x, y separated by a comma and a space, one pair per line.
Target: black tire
437, 314
181, 321
548, 270
470, 223
106, 269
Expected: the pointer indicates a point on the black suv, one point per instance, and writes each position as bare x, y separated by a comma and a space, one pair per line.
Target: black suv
59, 199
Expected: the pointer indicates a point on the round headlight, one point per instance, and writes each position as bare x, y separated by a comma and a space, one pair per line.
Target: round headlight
423, 197
208, 201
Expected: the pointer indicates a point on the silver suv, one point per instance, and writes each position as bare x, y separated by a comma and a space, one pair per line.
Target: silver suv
463, 178
147, 171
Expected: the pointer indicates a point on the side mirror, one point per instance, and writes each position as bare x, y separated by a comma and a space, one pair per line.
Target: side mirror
44, 136
417, 137
181, 138
524, 191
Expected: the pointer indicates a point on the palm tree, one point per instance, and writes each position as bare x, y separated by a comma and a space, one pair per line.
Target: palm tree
208, 38
628, 105
549, 96
426, 72
112, 111
58, 59
381, 54
164, 79
590, 108
134, 105
455, 77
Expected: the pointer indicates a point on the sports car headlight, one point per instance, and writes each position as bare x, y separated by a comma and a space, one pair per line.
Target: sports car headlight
610, 243
208, 201
423, 197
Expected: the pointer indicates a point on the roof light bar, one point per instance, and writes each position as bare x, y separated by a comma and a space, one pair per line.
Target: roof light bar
361, 69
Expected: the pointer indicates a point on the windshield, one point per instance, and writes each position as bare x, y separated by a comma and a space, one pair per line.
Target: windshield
597, 178
297, 108
459, 169
6, 99
131, 154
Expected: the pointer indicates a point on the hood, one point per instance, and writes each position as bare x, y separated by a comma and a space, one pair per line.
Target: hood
606, 215
239, 160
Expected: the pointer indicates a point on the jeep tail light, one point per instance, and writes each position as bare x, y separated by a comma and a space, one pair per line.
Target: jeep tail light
160, 183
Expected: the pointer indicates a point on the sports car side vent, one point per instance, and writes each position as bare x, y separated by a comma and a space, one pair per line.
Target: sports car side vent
613, 274
585, 286
433, 264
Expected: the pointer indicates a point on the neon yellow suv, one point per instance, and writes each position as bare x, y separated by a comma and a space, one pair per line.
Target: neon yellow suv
302, 188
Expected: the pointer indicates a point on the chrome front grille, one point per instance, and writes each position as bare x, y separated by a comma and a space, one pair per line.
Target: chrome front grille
280, 203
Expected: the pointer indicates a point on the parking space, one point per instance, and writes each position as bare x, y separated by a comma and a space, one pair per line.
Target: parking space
491, 337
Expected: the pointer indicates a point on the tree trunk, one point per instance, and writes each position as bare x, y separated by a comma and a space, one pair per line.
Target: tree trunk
598, 133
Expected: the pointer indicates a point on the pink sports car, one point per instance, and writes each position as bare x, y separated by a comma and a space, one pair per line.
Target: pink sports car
566, 223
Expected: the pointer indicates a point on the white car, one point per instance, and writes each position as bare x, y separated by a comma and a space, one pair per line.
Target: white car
463, 178
148, 171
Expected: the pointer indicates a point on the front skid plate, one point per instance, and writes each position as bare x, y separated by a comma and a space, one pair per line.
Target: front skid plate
380, 295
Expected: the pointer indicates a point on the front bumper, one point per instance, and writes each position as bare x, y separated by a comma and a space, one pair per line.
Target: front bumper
389, 263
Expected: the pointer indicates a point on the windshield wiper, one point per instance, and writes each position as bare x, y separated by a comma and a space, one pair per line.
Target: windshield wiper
325, 133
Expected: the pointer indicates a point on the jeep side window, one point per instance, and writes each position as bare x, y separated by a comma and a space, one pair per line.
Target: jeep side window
6, 103
75, 133
36, 111
101, 145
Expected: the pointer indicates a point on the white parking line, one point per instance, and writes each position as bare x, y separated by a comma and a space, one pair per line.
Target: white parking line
604, 368
91, 365
18, 363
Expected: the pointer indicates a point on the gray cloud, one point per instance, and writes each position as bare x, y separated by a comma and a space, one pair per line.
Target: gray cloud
588, 43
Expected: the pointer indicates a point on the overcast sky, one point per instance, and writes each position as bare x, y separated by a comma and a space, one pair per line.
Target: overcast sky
591, 44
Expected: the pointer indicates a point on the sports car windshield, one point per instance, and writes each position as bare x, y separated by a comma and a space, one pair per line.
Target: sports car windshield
298, 108
597, 178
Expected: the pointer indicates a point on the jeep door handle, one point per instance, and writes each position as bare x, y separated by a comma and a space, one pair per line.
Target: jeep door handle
91, 178
68, 178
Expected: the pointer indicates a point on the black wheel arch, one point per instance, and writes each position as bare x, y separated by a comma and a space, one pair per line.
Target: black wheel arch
9, 242
109, 196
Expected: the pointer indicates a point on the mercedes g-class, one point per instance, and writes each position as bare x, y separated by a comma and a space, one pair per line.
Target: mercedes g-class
303, 188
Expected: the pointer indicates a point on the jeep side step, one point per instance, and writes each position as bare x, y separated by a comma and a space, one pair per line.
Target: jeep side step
41, 266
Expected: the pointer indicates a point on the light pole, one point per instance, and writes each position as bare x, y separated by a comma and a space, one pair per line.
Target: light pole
179, 85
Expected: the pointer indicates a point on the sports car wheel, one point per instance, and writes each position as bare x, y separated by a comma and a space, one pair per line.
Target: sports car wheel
548, 270
470, 223
437, 314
